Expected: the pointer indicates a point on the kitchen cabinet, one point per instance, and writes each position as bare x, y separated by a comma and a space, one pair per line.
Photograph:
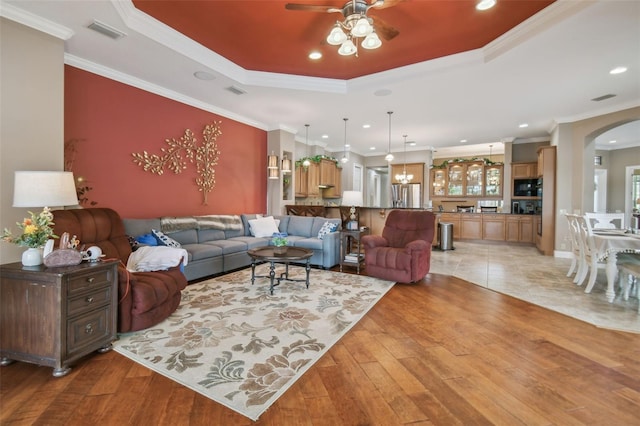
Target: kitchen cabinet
474, 180
524, 170
471, 226
327, 172
493, 227
334, 191
301, 182
493, 177
520, 228
545, 238
438, 182
415, 169
307, 180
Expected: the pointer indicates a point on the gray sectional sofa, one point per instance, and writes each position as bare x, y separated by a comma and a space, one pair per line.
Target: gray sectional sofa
214, 251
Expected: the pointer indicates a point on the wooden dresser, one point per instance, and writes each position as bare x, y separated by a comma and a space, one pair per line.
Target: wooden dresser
53, 316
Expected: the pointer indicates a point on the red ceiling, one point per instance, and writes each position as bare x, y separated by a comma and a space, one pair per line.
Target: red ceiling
262, 35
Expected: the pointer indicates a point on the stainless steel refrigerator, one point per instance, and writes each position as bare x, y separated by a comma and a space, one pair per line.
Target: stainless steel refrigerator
406, 195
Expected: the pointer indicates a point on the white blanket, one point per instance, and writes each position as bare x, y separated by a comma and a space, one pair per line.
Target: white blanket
156, 258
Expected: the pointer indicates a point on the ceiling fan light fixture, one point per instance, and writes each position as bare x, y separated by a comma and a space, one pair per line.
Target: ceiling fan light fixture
372, 41
485, 4
336, 36
362, 28
347, 48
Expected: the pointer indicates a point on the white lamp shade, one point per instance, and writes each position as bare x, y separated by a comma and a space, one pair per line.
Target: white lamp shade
44, 189
347, 48
336, 36
352, 198
372, 41
362, 28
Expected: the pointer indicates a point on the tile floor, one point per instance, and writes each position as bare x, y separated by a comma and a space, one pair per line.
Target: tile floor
520, 271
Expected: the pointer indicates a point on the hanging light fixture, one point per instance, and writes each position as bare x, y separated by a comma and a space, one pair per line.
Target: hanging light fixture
344, 154
389, 156
356, 26
272, 165
306, 162
404, 178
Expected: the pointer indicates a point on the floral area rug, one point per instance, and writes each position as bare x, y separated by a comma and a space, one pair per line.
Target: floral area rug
242, 347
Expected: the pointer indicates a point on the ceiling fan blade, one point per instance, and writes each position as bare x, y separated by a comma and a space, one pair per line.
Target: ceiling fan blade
383, 29
311, 8
383, 4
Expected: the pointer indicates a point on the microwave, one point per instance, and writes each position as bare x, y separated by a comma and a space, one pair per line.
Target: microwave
525, 187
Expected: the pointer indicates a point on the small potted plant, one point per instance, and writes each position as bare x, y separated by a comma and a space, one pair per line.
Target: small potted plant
279, 241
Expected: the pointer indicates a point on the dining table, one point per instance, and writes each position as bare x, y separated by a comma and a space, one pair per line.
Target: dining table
608, 243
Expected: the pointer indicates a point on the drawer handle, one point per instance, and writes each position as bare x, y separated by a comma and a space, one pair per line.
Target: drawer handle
91, 279
88, 329
89, 299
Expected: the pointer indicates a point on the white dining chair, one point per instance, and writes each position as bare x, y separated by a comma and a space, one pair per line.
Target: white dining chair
577, 261
606, 220
589, 253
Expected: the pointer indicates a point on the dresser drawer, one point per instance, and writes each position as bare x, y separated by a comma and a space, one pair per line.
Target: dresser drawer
90, 328
90, 279
89, 301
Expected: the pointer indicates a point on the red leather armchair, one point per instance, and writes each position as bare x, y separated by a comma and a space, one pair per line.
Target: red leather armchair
145, 298
403, 252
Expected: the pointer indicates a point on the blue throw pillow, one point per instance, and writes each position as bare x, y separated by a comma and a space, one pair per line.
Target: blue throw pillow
147, 239
327, 228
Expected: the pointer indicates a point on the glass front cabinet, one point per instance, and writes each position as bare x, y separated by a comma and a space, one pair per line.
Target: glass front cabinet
467, 179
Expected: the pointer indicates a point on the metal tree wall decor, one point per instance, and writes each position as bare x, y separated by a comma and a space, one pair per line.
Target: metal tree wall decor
183, 150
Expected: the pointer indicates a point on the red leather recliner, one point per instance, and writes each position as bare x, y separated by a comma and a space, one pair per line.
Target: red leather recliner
145, 298
403, 252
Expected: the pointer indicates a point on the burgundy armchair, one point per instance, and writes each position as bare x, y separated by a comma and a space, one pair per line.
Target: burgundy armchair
144, 298
403, 252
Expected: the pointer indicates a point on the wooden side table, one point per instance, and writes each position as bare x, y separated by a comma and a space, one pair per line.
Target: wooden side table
349, 254
54, 316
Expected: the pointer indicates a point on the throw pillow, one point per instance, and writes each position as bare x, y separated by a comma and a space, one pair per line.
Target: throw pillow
263, 227
147, 240
327, 228
165, 240
133, 243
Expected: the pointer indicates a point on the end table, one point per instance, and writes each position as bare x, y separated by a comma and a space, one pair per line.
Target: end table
351, 253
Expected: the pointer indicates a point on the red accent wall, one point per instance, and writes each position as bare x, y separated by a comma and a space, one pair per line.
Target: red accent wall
109, 121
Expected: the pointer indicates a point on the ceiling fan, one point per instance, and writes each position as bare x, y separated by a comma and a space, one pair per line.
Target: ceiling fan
356, 24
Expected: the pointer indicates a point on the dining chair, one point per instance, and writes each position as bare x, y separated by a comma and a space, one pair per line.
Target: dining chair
589, 254
577, 261
606, 220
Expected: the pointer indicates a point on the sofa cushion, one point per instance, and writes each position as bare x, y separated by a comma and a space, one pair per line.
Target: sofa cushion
252, 242
301, 226
206, 235
229, 246
309, 243
202, 251
263, 227
189, 236
245, 222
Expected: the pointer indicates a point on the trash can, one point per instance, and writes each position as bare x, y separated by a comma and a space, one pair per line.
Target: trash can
445, 235
635, 223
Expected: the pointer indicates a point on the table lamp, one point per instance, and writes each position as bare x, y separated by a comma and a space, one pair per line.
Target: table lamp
44, 189
353, 199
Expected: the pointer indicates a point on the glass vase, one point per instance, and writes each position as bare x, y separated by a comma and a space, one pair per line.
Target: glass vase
32, 257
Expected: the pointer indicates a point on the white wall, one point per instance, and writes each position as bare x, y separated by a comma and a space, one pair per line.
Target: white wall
31, 114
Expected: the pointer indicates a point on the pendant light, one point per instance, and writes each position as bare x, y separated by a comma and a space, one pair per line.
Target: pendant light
404, 178
389, 156
306, 162
344, 154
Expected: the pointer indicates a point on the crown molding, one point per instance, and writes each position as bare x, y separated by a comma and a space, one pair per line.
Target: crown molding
121, 77
34, 21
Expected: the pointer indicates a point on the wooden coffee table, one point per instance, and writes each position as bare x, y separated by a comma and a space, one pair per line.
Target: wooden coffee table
268, 254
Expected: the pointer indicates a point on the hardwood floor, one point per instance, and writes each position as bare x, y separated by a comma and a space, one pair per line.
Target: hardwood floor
439, 352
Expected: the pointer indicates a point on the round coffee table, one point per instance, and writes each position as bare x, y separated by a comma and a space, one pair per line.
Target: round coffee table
269, 254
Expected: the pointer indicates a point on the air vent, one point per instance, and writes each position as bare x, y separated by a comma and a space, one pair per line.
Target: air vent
107, 30
236, 90
603, 97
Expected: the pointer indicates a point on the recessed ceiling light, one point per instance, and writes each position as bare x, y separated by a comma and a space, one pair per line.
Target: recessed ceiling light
523, 125
325, 136
372, 148
315, 55
463, 141
411, 143
366, 126
347, 145
618, 70
203, 75
613, 141
485, 4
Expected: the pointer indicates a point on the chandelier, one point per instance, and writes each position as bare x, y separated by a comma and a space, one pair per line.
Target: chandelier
404, 178
356, 27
